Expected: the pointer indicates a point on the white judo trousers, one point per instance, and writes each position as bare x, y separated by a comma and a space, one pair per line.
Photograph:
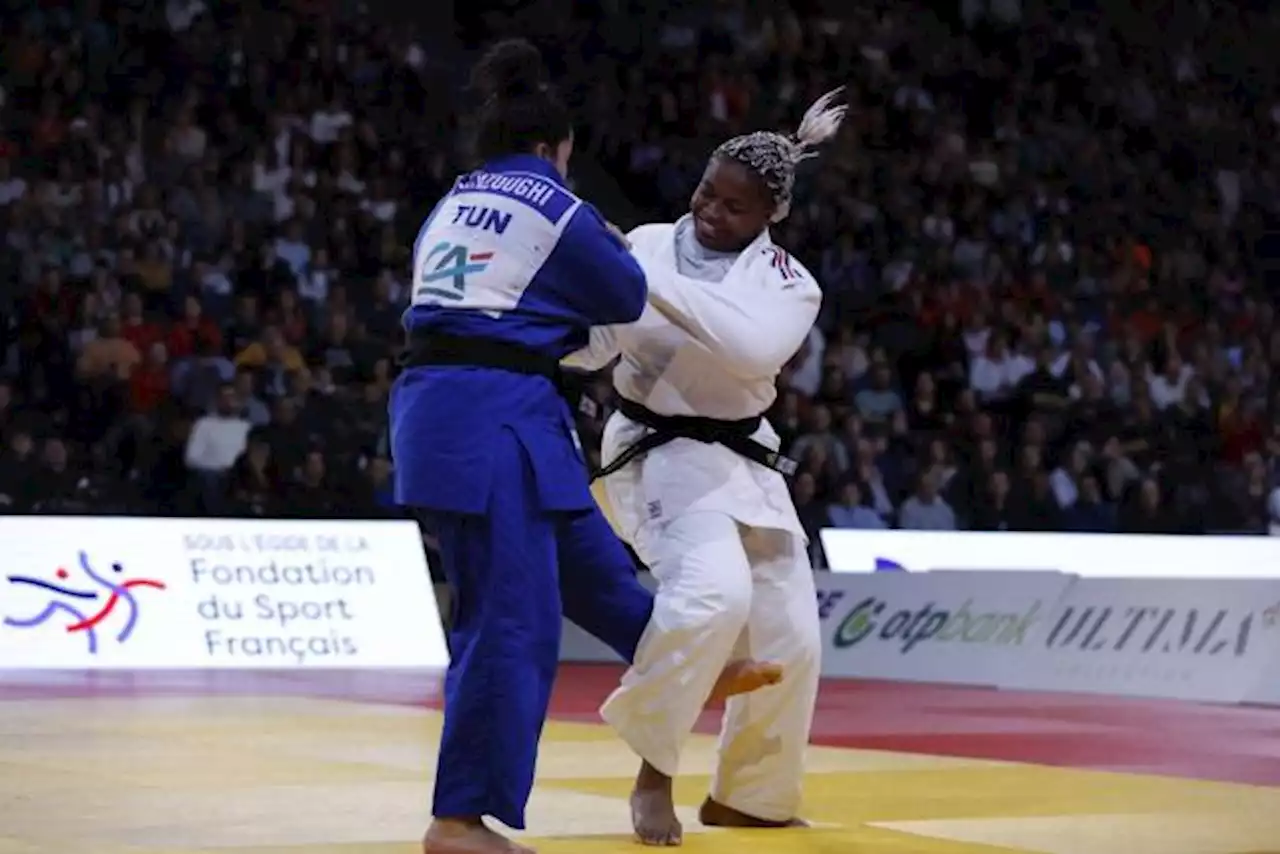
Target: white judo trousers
726, 592
718, 531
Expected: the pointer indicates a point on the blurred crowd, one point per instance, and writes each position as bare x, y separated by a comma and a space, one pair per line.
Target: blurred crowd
1047, 240
1048, 247
205, 233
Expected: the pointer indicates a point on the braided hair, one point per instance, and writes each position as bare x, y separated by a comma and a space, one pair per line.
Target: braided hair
773, 157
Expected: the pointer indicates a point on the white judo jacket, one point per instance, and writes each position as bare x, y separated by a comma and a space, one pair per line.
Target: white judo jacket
710, 349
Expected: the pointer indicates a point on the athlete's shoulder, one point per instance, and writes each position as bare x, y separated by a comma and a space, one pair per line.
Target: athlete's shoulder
786, 271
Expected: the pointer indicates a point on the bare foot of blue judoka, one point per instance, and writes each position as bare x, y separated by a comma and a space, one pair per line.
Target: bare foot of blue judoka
467, 836
743, 677
653, 811
714, 814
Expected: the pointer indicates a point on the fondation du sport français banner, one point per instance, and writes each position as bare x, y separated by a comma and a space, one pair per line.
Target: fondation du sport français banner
136, 593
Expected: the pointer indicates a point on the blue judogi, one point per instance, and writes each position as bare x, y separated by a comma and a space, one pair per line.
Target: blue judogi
511, 255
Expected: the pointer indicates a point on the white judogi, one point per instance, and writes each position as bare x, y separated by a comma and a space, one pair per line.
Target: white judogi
719, 532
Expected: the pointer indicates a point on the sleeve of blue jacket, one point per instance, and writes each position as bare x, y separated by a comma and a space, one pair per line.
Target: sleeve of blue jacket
598, 276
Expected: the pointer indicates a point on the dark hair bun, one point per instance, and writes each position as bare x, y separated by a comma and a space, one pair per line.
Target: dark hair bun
509, 69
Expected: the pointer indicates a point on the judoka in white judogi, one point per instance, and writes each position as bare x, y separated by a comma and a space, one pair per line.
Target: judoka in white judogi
727, 309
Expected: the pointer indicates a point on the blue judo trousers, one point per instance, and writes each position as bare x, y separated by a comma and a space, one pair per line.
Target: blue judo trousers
492, 457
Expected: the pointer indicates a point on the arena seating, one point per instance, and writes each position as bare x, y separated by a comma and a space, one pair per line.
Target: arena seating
1047, 241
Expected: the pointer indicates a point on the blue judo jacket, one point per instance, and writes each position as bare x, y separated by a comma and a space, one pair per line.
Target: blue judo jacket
509, 254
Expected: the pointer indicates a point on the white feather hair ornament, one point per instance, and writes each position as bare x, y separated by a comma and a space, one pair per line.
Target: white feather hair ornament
774, 156
819, 124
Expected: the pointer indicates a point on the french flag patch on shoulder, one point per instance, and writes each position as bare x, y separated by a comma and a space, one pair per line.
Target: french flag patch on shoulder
781, 261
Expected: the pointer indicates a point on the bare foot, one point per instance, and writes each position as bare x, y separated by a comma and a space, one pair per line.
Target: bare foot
714, 814
653, 812
467, 836
743, 677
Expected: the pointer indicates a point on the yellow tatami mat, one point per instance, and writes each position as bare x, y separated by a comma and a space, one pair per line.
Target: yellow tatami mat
295, 776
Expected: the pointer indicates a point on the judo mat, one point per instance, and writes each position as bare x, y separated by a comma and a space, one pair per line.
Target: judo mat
274, 763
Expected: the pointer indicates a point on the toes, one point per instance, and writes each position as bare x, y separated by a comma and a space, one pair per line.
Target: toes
664, 838
653, 839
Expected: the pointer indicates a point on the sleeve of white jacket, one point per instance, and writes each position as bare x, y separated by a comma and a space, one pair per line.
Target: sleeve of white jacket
752, 335
601, 349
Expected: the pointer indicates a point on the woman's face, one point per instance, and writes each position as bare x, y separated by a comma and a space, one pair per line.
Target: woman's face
730, 207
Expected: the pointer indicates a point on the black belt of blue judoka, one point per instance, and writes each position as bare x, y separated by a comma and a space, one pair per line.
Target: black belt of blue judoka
435, 350
734, 435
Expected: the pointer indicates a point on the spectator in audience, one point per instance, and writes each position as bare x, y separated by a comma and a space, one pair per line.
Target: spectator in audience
994, 511
926, 510
811, 512
1067, 478
217, 440
879, 400
822, 437
108, 354
149, 382
1146, 512
255, 480
852, 512
1090, 513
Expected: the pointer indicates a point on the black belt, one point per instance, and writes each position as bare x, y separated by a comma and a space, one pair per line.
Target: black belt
734, 435
435, 350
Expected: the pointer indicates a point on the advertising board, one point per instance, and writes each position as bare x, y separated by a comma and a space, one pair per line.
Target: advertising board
961, 628
1215, 640
88, 593
1086, 555
1188, 639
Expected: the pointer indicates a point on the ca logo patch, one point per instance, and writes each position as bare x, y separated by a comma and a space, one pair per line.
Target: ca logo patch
449, 263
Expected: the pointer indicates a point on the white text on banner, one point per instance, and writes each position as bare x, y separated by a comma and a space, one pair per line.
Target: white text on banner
86, 593
963, 628
1085, 555
1188, 639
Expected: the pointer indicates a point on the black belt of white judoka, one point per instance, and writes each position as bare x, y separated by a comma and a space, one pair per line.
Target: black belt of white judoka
435, 350
734, 435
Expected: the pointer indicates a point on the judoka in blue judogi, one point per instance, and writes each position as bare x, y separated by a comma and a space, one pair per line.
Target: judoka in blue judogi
511, 271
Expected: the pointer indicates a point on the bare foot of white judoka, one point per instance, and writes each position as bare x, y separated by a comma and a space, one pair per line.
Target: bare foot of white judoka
653, 811
713, 814
742, 677
467, 836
